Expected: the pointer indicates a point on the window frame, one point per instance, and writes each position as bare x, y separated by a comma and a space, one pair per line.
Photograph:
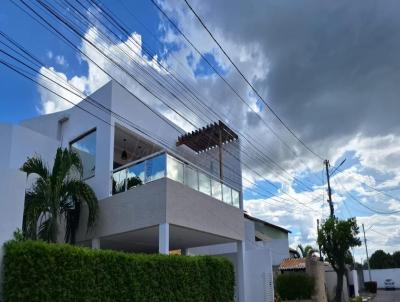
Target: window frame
78, 138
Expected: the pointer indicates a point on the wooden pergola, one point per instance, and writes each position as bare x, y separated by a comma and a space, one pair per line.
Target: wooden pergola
209, 137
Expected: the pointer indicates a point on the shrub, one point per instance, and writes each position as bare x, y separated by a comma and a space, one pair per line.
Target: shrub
371, 286
37, 271
292, 286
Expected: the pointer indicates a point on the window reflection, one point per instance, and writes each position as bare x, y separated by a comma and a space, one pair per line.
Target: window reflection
85, 147
204, 183
118, 180
227, 194
235, 198
174, 169
191, 178
155, 168
135, 175
216, 190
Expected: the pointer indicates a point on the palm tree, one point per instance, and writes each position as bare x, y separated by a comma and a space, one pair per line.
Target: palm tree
57, 193
307, 250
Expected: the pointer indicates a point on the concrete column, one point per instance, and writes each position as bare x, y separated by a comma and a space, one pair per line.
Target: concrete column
355, 283
96, 243
240, 271
163, 238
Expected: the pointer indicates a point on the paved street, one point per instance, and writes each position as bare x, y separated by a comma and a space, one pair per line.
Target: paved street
387, 296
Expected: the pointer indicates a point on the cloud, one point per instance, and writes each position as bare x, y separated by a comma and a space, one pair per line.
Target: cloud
60, 60
51, 102
334, 83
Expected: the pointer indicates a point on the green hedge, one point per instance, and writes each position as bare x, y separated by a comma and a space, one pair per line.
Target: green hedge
292, 286
37, 271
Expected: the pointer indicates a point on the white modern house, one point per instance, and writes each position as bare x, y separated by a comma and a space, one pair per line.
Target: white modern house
159, 188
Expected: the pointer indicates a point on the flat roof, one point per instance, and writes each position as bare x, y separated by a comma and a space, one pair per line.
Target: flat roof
207, 137
266, 223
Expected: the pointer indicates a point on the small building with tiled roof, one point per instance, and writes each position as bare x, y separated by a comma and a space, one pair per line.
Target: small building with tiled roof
293, 264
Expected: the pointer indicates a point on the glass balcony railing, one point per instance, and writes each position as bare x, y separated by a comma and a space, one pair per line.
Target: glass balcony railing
165, 165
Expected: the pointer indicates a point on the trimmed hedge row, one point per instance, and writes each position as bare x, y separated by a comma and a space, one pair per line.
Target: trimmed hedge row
37, 271
293, 286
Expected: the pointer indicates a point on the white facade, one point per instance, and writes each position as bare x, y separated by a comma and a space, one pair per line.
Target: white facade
259, 258
379, 275
162, 214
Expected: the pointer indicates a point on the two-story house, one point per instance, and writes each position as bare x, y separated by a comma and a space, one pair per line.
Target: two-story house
159, 188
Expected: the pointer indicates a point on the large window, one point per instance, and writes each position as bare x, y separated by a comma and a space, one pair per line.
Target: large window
85, 146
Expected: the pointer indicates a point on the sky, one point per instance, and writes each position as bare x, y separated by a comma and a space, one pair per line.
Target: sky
330, 69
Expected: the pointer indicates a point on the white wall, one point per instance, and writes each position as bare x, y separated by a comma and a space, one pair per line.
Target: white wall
331, 282
17, 144
80, 122
279, 249
379, 275
258, 276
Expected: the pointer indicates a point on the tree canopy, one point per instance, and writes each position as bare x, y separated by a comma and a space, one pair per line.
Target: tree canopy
380, 259
336, 238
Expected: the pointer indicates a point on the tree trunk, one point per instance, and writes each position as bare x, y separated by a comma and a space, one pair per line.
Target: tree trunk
339, 286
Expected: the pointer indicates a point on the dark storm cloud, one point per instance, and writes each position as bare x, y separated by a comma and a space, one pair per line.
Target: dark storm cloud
334, 66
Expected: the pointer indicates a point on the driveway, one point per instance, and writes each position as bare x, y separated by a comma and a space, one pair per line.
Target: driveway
387, 296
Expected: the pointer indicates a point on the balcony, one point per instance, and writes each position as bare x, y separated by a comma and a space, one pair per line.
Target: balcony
164, 165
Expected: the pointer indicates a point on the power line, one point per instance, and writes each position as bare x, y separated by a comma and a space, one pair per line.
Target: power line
74, 30
218, 73
258, 151
19, 71
364, 205
269, 192
248, 82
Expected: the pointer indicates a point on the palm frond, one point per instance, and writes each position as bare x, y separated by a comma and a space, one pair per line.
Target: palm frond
35, 165
55, 194
79, 193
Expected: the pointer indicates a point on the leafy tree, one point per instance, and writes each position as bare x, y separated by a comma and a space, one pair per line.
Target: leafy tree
55, 194
336, 237
307, 250
396, 259
380, 259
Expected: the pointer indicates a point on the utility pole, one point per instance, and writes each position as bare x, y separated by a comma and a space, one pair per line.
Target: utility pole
326, 162
366, 251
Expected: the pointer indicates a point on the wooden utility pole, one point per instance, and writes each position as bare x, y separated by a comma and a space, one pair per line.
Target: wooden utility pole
326, 162
366, 251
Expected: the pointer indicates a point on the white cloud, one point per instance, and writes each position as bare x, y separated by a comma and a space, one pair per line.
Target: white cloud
60, 60
51, 102
380, 152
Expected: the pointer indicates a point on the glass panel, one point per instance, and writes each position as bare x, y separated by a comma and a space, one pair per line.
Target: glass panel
174, 169
216, 189
227, 194
235, 198
86, 149
155, 168
118, 182
191, 178
135, 175
204, 183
